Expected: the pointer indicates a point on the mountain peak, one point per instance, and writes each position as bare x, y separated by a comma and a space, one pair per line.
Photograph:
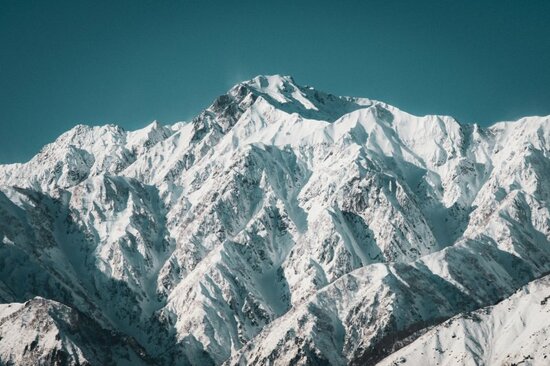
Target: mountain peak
277, 88
285, 94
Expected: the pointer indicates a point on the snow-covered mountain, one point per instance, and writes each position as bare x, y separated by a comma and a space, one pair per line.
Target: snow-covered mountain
282, 225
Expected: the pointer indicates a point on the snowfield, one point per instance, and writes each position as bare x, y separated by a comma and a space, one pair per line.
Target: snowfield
282, 225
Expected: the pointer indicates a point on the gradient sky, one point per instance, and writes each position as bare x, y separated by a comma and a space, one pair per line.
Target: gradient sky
130, 62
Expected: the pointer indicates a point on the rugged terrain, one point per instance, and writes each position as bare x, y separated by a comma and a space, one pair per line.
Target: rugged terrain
282, 225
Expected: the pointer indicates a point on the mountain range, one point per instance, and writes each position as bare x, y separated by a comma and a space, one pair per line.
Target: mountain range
281, 226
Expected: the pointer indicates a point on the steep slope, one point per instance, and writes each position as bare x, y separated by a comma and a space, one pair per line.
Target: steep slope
513, 332
281, 224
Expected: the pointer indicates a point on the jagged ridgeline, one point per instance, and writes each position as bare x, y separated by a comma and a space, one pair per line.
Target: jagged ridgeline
282, 225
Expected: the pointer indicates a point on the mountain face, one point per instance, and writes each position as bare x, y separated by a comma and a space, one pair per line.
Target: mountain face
43, 332
282, 225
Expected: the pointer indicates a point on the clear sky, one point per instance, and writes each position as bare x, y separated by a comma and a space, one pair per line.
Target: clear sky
130, 62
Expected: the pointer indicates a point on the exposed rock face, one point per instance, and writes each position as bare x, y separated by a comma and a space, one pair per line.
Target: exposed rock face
282, 225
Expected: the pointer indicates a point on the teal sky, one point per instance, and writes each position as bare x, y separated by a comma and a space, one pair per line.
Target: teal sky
130, 62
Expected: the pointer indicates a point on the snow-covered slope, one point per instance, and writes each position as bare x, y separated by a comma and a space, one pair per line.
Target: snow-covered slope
281, 225
516, 331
